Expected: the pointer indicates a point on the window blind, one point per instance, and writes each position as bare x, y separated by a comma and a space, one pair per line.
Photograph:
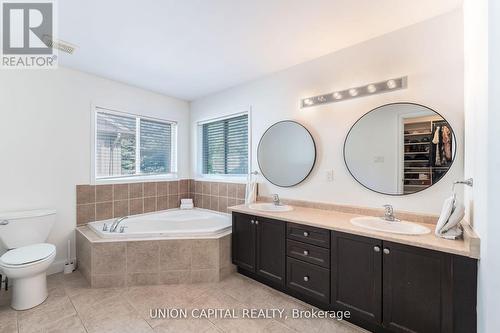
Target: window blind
225, 146
128, 145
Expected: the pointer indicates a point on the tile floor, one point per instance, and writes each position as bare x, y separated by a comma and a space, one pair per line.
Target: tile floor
72, 306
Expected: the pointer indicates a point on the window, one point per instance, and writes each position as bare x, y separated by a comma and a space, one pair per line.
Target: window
128, 145
224, 148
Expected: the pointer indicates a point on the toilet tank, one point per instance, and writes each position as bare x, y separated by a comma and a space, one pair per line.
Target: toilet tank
23, 228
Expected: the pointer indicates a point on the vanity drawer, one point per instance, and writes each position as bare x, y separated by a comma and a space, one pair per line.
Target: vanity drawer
307, 234
309, 280
309, 253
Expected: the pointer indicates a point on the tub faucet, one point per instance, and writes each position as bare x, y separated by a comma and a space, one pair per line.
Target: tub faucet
116, 223
389, 214
276, 200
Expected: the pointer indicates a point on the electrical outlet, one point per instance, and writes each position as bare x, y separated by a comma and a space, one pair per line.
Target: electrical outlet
329, 175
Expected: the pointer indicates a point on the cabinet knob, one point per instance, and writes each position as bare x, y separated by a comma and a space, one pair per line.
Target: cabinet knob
306, 278
386, 251
306, 253
376, 249
306, 234
256, 222
252, 221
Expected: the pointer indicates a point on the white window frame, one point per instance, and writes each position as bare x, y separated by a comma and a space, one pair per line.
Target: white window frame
137, 177
199, 149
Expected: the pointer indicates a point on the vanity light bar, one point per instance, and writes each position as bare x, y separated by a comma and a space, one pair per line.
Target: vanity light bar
369, 89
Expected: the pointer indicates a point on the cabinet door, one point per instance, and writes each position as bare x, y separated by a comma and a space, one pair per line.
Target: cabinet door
271, 250
243, 241
357, 276
417, 289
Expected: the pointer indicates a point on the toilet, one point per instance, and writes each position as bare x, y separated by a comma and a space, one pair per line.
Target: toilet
28, 257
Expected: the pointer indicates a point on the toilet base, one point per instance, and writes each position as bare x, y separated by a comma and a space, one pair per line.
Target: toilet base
29, 292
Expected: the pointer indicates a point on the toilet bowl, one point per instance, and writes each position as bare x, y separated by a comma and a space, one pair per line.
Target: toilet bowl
26, 267
28, 257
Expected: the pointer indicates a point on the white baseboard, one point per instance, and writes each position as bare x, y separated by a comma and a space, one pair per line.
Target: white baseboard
58, 266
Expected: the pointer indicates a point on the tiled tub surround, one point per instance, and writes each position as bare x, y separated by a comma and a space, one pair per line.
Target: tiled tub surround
102, 202
119, 263
217, 195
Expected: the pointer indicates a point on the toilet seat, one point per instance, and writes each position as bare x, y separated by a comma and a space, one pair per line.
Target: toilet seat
26, 255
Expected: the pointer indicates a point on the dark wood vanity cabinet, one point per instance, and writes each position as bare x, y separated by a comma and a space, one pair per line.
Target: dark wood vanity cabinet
390, 287
258, 246
386, 286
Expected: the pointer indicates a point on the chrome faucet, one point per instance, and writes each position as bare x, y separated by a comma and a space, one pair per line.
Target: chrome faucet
276, 200
116, 223
389, 214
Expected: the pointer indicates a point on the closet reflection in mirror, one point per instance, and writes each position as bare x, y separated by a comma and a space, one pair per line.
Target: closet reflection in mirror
400, 148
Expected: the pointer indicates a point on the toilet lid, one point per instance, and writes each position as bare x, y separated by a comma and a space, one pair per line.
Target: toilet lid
28, 254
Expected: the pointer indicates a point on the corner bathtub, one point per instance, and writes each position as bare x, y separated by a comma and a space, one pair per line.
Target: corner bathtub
169, 224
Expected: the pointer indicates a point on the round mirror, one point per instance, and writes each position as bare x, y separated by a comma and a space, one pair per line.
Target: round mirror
286, 153
400, 148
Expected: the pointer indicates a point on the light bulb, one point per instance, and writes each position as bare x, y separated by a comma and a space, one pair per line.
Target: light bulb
308, 101
353, 92
337, 95
371, 88
391, 84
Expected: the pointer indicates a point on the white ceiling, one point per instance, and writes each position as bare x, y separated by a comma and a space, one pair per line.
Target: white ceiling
192, 48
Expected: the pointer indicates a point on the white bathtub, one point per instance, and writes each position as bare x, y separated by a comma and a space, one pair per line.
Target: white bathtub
169, 224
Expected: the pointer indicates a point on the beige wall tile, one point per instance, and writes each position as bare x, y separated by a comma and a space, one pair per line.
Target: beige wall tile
205, 254
225, 251
108, 258
143, 279
175, 255
162, 202
85, 213
198, 187
214, 189
109, 281
175, 277
149, 205
103, 211
205, 188
173, 201
103, 193
192, 185
226, 271
162, 188
136, 206
232, 190
231, 202
85, 194
198, 200
222, 190
204, 275
120, 191
143, 257
120, 208
136, 190
205, 201
222, 204
214, 202
184, 186
150, 189
173, 187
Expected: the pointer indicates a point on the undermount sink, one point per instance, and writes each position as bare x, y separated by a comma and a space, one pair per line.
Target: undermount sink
396, 227
270, 207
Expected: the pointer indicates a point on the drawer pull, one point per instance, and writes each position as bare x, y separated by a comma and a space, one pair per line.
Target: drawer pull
306, 253
386, 251
306, 234
252, 221
376, 249
256, 222
306, 278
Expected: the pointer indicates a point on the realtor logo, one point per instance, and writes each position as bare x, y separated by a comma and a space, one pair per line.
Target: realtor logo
27, 29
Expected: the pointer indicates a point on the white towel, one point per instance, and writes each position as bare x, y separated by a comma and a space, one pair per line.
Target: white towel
186, 206
452, 213
187, 201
